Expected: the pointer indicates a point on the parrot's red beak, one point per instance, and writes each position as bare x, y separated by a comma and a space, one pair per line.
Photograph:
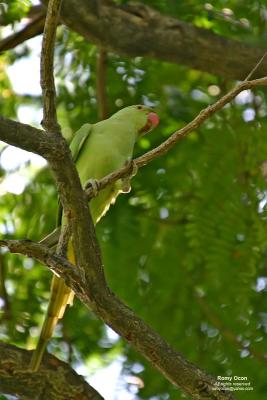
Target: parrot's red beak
154, 119
152, 122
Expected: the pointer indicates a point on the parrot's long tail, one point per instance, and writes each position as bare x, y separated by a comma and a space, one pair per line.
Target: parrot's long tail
60, 297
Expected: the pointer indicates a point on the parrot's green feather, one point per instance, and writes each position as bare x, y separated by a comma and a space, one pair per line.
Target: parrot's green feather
78, 140
97, 150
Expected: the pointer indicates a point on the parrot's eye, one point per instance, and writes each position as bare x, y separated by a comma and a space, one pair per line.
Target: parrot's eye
139, 107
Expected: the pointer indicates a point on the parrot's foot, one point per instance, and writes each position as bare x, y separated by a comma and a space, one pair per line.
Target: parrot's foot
133, 167
126, 182
92, 183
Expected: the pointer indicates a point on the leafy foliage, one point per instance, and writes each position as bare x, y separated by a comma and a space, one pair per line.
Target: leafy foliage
186, 249
13, 10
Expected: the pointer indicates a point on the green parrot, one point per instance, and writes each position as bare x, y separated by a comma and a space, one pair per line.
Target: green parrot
97, 150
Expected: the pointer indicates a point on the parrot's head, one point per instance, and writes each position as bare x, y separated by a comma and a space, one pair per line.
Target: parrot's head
143, 117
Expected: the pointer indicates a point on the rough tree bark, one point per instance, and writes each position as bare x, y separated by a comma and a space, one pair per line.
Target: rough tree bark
55, 380
138, 30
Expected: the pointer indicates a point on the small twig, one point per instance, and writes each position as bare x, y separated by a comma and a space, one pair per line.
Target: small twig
256, 67
44, 255
47, 67
101, 75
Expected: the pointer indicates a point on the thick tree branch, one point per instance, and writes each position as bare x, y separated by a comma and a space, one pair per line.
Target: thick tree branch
138, 30
135, 29
28, 138
54, 381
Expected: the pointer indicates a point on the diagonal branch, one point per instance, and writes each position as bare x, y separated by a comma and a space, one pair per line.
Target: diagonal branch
33, 28
135, 29
122, 319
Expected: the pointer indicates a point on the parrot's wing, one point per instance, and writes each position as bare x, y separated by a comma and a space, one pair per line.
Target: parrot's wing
79, 139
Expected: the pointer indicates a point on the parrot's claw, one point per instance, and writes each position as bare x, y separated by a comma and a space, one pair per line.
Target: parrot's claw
126, 182
134, 167
93, 183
